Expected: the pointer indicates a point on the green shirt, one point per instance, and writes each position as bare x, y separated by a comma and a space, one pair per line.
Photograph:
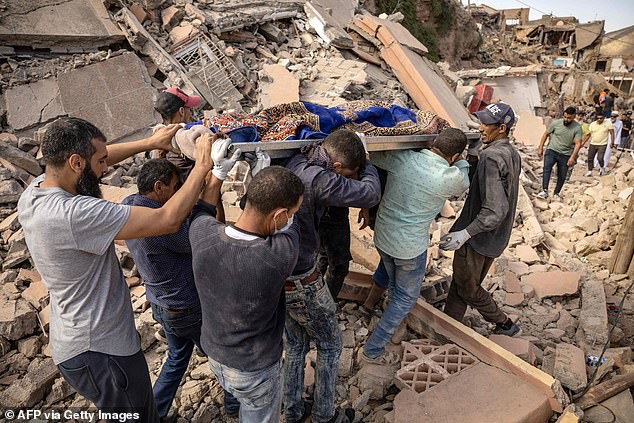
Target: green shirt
562, 137
418, 183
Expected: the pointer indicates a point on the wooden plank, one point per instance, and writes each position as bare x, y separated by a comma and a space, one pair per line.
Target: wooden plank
606, 390
623, 253
568, 416
489, 352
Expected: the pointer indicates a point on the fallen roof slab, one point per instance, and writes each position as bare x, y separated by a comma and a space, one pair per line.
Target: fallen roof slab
73, 24
426, 87
115, 95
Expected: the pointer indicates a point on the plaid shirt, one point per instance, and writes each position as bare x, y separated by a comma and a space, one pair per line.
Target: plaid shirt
165, 264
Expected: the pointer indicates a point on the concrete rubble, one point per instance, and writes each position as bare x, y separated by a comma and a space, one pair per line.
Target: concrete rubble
552, 279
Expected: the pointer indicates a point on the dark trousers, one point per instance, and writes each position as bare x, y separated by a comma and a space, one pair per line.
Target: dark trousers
182, 330
551, 157
469, 270
334, 252
115, 384
594, 150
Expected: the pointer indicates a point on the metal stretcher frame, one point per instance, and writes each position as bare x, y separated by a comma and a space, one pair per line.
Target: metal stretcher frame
281, 149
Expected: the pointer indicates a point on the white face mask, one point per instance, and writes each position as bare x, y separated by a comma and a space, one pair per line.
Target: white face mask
286, 227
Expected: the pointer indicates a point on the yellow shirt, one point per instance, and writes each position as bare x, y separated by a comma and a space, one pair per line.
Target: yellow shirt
599, 133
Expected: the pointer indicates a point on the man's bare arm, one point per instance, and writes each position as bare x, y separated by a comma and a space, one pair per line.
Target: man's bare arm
160, 140
145, 221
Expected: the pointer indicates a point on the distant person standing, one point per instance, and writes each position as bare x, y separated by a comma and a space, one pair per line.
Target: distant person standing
601, 133
564, 141
627, 129
608, 104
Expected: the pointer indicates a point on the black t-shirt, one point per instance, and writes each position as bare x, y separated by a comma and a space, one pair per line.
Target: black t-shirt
627, 127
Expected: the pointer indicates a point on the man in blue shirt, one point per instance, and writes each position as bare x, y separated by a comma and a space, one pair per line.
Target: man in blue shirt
418, 184
165, 264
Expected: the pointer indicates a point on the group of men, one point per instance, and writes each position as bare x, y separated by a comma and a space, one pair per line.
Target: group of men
564, 138
243, 293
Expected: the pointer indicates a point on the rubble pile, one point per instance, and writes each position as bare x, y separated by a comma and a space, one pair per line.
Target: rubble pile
552, 279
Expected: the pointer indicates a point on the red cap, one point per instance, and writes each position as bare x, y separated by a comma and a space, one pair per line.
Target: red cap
191, 101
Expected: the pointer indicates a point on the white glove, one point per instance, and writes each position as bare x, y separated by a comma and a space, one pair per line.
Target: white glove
261, 161
454, 240
222, 164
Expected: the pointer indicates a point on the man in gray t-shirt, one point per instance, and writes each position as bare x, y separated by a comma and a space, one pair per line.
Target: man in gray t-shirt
70, 231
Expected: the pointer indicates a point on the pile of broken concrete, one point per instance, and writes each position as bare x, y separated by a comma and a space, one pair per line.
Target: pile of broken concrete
552, 278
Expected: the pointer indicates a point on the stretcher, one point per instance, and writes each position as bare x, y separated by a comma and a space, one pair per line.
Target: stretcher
283, 149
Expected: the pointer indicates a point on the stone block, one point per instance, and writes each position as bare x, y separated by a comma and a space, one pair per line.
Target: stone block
145, 326
278, 86
17, 319
71, 24
193, 392
43, 104
20, 158
10, 222
202, 371
30, 347
503, 398
514, 299
356, 287
511, 282
375, 378
182, 32
592, 332
59, 391
570, 366
552, 284
521, 347
10, 191
31, 389
171, 16
518, 267
36, 293
114, 95
346, 361
526, 254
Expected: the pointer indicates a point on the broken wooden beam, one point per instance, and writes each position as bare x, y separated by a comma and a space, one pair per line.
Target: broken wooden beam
533, 232
622, 258
428, 321
606, 390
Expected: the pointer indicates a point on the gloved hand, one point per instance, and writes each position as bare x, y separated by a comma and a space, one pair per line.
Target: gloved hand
257, 161
222, 164
454, 240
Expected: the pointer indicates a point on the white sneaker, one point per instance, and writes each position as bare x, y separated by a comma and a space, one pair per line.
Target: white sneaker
542, 194
557, 197
603, 171
589, 173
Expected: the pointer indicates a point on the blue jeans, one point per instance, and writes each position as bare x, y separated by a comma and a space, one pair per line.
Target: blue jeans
380, 276
310, 314
551, 157
406, 277
259, 392
182, 331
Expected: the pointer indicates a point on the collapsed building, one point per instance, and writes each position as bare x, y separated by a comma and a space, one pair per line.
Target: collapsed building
105, 62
